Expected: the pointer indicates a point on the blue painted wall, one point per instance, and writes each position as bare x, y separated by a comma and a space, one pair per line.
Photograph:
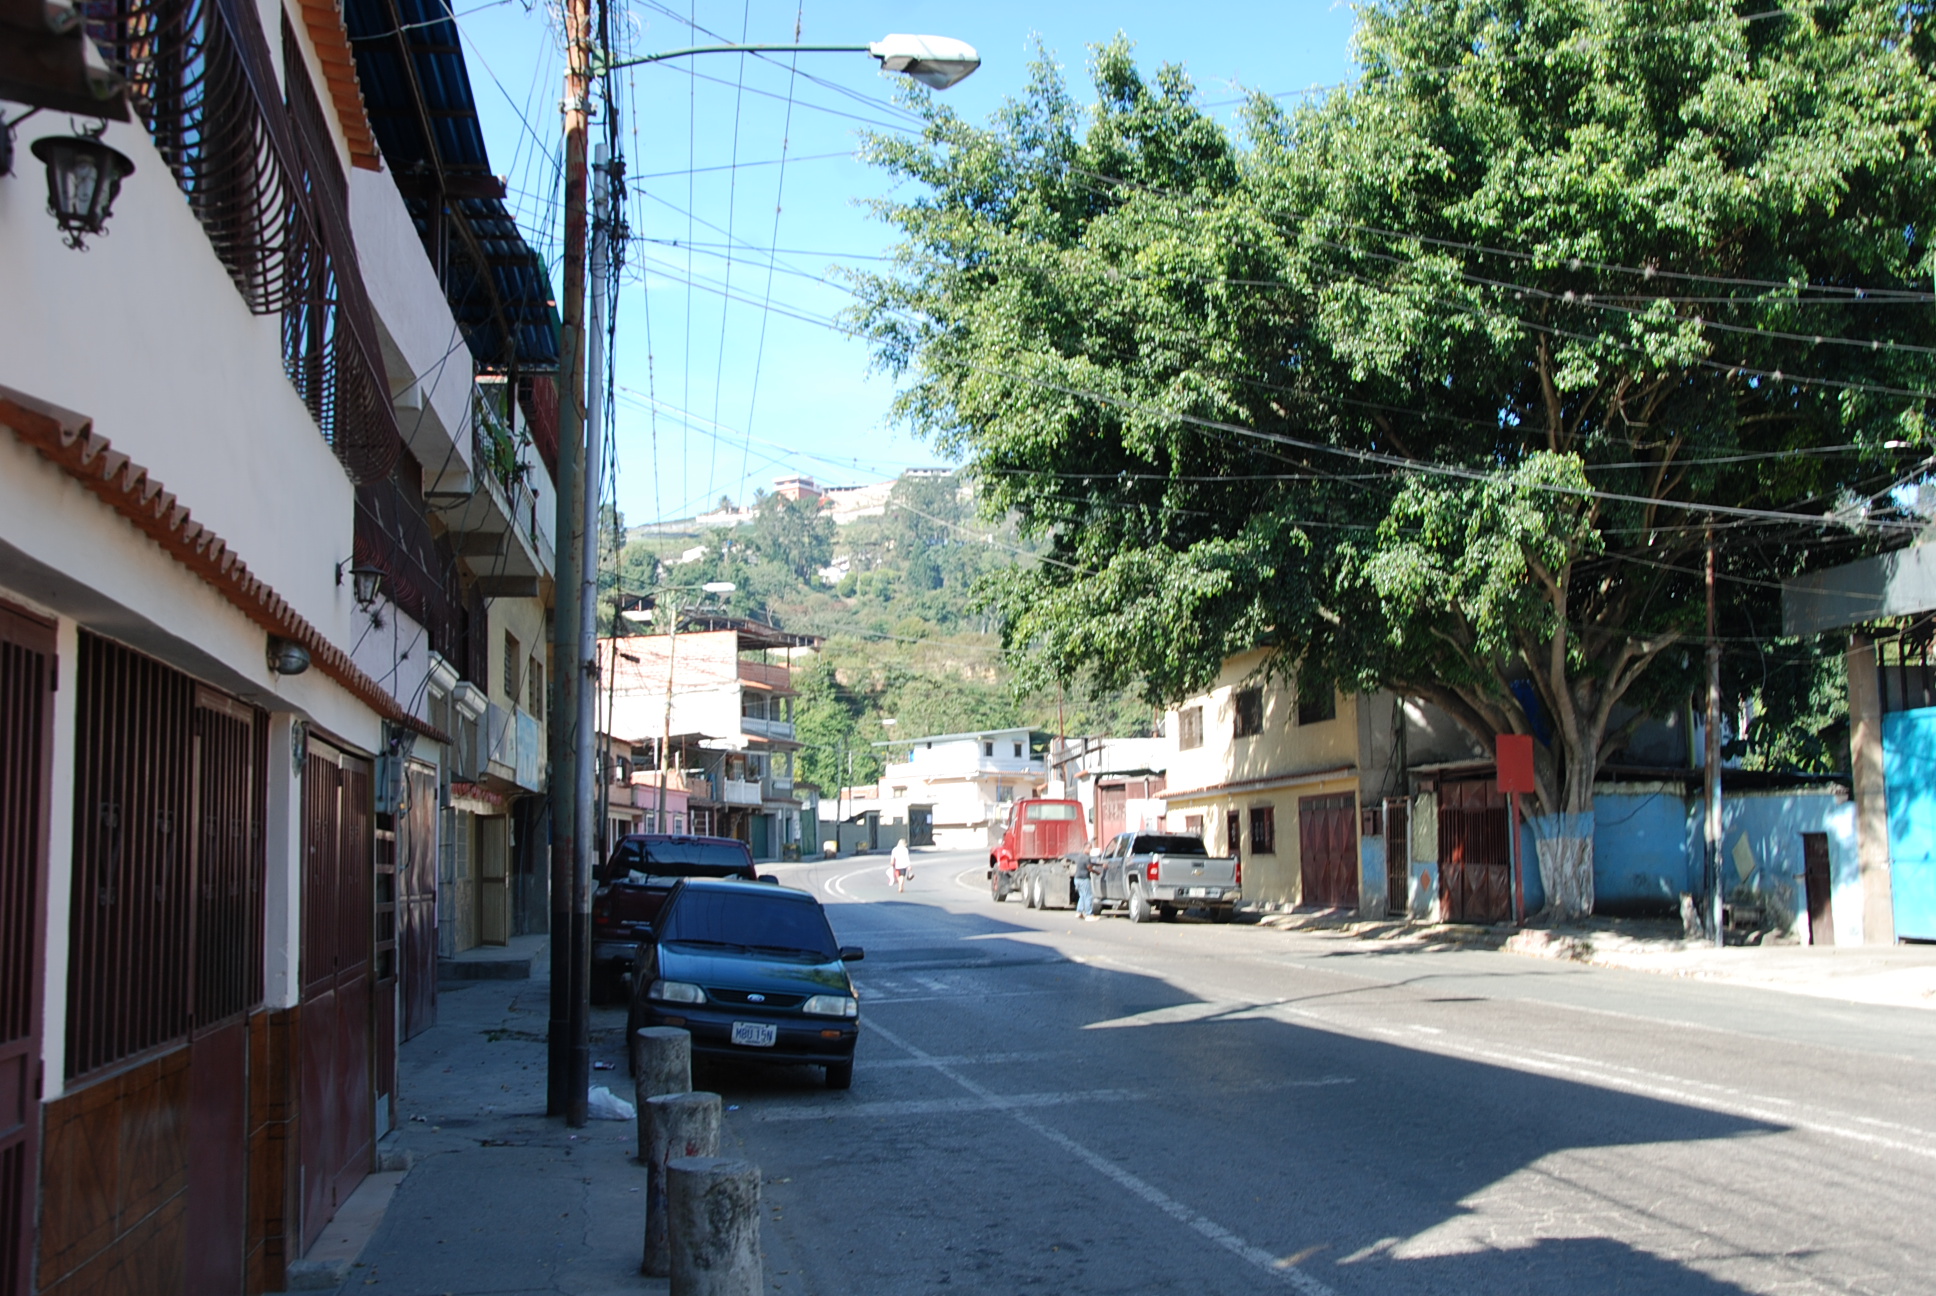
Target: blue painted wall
1648, 845
1909, 774
1371, 875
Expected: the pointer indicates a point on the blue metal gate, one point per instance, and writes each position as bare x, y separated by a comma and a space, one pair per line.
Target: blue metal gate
1909, 771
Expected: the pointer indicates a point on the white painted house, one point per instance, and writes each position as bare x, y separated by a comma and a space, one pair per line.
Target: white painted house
961, 783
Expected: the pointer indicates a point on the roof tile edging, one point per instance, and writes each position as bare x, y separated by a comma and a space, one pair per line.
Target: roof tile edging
126, 487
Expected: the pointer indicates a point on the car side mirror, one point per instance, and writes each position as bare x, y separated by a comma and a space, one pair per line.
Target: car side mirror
852, 953
767, 878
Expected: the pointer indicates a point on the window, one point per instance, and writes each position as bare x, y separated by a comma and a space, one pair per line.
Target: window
1052, 810
1189, 728
511, 660
988, 748
1018, 750
534, 688
1250, 711
1316, 706
1233, 832
1193, 824
1263, 830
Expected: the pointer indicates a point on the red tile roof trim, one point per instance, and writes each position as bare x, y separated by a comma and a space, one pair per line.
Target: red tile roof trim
125, 486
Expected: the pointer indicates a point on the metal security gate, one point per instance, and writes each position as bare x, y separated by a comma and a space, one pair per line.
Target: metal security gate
338, 1113
1327, 838
1398, 856
1475, 857
416, 914
26, 735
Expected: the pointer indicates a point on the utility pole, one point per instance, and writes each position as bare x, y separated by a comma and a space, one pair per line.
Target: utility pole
1713, 755
585, 754
559, 1099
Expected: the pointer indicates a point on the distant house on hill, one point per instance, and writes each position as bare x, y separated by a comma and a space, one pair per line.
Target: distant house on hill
798, 488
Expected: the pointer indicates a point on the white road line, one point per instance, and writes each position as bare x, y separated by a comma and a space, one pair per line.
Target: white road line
837, 885
979, 873
1176, 1210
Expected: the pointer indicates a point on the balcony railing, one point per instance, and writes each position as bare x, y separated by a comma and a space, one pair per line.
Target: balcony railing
744, 792
766, 728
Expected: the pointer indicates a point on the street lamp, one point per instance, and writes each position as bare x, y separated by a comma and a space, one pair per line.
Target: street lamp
83, 179
935, 61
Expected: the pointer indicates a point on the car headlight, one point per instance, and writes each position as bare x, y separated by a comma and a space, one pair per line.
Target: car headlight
675, 992
830, 1006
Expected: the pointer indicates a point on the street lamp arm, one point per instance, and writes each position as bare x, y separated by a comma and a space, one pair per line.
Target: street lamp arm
732, 49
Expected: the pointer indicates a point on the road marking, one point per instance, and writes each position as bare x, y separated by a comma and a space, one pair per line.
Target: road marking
979, 872
1176, 1210
940, 1106
837, 885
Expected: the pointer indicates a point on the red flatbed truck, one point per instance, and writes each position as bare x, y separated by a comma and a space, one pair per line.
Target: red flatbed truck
1042, 840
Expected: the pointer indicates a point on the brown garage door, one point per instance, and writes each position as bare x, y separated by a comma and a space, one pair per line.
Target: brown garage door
1327, 839
1475, 866
338, 1111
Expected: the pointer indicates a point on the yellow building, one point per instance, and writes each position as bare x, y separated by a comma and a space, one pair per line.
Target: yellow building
1273, 778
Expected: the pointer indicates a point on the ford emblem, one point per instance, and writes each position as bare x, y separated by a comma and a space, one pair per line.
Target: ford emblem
756, 998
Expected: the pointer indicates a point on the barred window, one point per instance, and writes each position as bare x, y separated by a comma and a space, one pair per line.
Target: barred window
1315, 706
1189, 728
165, 934
1263, 830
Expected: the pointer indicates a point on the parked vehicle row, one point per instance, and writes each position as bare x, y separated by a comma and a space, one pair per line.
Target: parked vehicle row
698, 939
1044, 847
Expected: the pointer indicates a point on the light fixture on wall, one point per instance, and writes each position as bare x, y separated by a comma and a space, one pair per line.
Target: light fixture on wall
84, 177
366, 581
286, 656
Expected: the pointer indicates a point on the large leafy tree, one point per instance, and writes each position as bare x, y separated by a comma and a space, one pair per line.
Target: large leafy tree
1439, 381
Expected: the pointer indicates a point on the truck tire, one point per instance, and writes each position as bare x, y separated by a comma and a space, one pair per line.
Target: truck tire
996, 891
1139, 905
1222, 913
1029, 898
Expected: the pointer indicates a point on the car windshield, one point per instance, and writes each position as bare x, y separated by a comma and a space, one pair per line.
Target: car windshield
643, 858
1050, 810
1164, 845
750, 920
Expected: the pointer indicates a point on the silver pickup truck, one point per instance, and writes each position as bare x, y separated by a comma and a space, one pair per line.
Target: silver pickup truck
1161, 873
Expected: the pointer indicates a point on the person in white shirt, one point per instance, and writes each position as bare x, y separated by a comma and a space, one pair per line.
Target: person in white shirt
900, 867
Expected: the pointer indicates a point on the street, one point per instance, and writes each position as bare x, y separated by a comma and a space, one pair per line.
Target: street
1043, 1104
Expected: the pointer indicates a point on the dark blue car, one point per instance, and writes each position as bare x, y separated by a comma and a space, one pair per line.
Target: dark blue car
753, 973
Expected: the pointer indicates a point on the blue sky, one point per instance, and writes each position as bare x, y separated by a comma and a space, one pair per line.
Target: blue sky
728, 378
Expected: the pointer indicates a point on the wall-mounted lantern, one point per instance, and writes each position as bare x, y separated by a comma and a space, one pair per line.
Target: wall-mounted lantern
287, 657
84, 177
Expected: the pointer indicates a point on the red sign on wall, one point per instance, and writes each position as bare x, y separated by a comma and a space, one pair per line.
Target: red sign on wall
1514, 755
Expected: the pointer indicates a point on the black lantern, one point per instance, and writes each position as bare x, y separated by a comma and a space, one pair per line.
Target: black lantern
365, 584
83, 177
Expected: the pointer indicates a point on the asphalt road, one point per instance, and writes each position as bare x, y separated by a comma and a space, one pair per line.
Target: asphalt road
1047, 1105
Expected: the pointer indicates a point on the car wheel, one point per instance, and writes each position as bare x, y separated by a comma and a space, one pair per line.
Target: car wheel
840, 1075
1139, 906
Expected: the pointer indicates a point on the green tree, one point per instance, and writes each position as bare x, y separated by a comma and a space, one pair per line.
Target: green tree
1433, 383
792, 534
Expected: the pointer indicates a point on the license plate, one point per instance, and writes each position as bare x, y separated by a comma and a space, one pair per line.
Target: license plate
756, 1034
1207, 893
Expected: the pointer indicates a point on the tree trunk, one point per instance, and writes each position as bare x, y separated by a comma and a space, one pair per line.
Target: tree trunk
1563, 842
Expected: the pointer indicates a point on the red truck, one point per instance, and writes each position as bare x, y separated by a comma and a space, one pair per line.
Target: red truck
1034, 856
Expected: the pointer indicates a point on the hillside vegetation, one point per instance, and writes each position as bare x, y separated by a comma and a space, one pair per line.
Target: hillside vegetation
904, 635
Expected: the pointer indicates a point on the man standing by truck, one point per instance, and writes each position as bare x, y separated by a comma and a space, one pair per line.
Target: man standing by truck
1085, 892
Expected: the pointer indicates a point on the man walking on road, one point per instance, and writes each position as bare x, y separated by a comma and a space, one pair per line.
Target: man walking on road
899, 866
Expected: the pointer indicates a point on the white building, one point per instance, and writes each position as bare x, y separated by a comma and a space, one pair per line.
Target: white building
960, 784
266, 599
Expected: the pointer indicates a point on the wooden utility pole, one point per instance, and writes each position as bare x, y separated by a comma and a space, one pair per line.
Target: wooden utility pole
566, 1088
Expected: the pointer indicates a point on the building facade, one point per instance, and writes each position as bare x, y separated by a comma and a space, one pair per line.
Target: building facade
237, 630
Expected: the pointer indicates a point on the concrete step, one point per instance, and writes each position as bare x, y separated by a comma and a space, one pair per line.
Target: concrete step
511, 962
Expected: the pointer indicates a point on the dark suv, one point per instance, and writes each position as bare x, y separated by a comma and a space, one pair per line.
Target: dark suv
634, 883
753, 973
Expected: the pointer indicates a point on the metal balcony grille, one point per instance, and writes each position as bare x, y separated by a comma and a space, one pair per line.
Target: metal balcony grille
166, 931
261, 176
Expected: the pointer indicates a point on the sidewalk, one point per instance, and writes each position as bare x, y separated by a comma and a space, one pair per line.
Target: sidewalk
1901, 976
499, 1199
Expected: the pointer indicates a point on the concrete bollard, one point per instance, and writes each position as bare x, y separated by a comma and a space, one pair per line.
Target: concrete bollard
671, 1126
714, 1211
